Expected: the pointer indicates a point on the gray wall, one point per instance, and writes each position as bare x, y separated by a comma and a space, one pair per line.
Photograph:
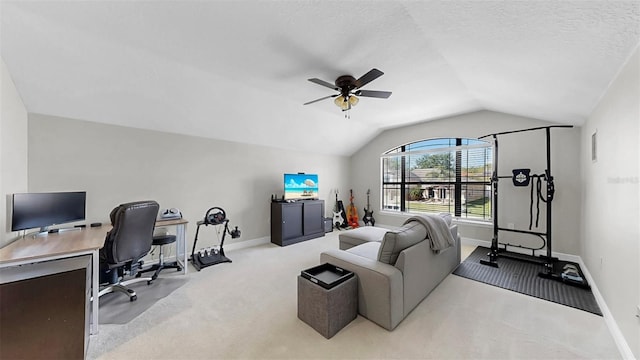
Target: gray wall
13, 150
523, 150
610, 191
117, 164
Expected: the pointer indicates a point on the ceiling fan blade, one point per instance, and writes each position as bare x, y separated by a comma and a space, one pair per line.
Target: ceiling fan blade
322, 98
368, 77
324, 83
373, 93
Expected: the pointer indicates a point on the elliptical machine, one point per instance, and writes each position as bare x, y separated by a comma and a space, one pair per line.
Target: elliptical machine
212, 255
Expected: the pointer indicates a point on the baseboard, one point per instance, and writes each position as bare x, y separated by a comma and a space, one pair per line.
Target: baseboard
487, 244
171, 256
614, 330
247, 243
475, 242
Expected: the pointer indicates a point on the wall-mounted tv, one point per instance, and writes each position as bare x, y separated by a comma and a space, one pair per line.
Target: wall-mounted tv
300, 186
41, 210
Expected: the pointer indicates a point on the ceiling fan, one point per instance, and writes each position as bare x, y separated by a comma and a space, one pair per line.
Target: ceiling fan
349, 89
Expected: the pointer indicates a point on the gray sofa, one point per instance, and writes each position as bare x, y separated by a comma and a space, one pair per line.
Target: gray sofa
396, 268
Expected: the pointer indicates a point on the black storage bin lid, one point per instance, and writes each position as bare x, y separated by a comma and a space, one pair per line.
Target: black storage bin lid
326, 275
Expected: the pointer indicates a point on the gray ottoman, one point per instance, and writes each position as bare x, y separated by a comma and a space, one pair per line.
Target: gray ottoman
361, 235
327, 310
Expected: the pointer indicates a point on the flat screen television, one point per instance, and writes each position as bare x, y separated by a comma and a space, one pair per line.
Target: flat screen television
41, 210
300, 186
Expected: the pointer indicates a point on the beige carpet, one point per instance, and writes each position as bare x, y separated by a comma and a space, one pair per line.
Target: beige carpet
247, 309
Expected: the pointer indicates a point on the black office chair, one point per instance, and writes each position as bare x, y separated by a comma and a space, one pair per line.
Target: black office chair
128, 242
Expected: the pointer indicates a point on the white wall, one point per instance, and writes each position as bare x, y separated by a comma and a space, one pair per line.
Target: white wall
610, 192
117, 164
523, 150
13, 150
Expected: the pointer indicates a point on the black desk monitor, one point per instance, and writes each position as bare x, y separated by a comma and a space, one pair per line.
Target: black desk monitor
41, 210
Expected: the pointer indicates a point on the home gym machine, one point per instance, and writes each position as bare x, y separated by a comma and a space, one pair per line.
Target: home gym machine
212, 255
552, 268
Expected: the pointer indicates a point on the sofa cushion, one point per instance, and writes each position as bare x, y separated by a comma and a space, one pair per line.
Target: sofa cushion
397, 240
361, 235
367, 250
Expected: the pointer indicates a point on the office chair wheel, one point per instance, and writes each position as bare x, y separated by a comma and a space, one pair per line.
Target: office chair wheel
179, 268
133, 297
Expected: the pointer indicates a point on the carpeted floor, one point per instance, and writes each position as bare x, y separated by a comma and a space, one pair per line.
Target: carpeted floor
522, 277
248, 310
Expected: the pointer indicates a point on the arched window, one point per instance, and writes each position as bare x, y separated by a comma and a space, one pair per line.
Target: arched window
450, 175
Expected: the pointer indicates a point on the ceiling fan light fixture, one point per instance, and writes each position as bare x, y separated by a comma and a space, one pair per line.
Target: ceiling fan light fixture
342, 103
353, 100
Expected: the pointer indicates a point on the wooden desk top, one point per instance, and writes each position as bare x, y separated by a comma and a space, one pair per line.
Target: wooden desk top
62, 243
171, 222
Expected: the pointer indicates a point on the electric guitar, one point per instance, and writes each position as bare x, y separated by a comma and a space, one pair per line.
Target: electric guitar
352, 212
338, 213
368, 213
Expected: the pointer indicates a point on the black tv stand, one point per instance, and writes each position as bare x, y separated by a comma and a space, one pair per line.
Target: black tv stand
293, 222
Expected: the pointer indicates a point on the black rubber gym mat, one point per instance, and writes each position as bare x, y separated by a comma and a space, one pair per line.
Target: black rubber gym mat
522, 277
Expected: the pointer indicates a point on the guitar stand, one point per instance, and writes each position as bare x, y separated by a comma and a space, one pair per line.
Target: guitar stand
339, 215
211, 256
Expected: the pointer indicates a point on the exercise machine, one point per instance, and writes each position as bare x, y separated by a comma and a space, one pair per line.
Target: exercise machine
552, 268
215, 254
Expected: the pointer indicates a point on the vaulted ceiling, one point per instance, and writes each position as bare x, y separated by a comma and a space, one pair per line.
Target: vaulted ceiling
238, 70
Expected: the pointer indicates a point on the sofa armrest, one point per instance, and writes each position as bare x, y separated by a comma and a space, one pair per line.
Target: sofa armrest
380, 286
456, 237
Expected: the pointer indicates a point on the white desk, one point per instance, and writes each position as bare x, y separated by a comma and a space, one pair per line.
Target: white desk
87, 241
181, 241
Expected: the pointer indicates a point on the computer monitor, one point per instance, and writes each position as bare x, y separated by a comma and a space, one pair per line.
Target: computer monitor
41, 210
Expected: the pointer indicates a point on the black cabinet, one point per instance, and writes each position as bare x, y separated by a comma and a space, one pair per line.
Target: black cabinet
296, 221
313, 218
44, 309
291, 221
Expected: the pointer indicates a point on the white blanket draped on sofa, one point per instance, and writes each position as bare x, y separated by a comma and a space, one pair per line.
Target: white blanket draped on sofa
437, 230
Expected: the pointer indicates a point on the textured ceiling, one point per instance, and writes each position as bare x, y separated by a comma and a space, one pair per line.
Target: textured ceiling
238, 70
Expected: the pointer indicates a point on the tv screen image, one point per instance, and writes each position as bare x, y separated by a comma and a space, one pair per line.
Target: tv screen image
300, 186
40, 210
